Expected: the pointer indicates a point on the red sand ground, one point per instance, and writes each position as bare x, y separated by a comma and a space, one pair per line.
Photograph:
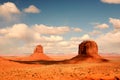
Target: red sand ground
87, 65
41, 70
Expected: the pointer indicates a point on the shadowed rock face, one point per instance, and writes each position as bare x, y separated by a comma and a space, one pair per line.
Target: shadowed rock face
88, 48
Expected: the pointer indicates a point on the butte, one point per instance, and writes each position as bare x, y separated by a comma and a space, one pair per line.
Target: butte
87, 52
38, 54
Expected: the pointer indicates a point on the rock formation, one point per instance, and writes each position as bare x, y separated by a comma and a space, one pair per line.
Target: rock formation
38, 49
87, 51
39, 54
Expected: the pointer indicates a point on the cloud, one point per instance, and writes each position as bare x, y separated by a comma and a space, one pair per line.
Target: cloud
8, 9
109, 42
95, 32
20, 32
17, 31
21, 38
10, 13
77, 29
115, 22
32, 9
102, 26
84, 37
111, 1
51, 38
44, 29
64, 43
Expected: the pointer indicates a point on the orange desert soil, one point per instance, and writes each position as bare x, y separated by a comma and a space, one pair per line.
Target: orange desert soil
10, 70
86, 65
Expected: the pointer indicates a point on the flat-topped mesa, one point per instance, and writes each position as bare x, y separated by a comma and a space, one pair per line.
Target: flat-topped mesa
38, 49
39, 53
88, 52
88, 48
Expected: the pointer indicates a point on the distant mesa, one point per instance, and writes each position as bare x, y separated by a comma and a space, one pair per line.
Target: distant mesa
39, 53
38, 49
88, 52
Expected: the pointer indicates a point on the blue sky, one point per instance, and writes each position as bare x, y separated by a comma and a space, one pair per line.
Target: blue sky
75, 13
80, 20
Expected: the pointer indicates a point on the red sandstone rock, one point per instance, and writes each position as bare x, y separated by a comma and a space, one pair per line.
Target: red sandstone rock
87, 51
88, 48
38, 49
39, 54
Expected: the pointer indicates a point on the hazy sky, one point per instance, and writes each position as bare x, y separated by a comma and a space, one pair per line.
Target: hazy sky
58, 25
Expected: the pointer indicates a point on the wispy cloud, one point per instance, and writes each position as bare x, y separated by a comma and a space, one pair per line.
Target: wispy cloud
95, 32
115, 22
111, 1
84, 37
77, 29
32, 9
44, 29
101, 26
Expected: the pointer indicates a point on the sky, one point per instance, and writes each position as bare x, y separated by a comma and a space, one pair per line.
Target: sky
58, 25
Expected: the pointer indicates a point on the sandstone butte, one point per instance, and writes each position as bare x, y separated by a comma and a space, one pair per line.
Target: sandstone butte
87, 52
39, 54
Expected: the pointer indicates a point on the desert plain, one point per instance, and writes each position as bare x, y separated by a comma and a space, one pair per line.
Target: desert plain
10, 70
39, 66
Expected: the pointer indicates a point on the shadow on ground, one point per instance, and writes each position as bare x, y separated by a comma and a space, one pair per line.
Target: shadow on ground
74, 60
45, 62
